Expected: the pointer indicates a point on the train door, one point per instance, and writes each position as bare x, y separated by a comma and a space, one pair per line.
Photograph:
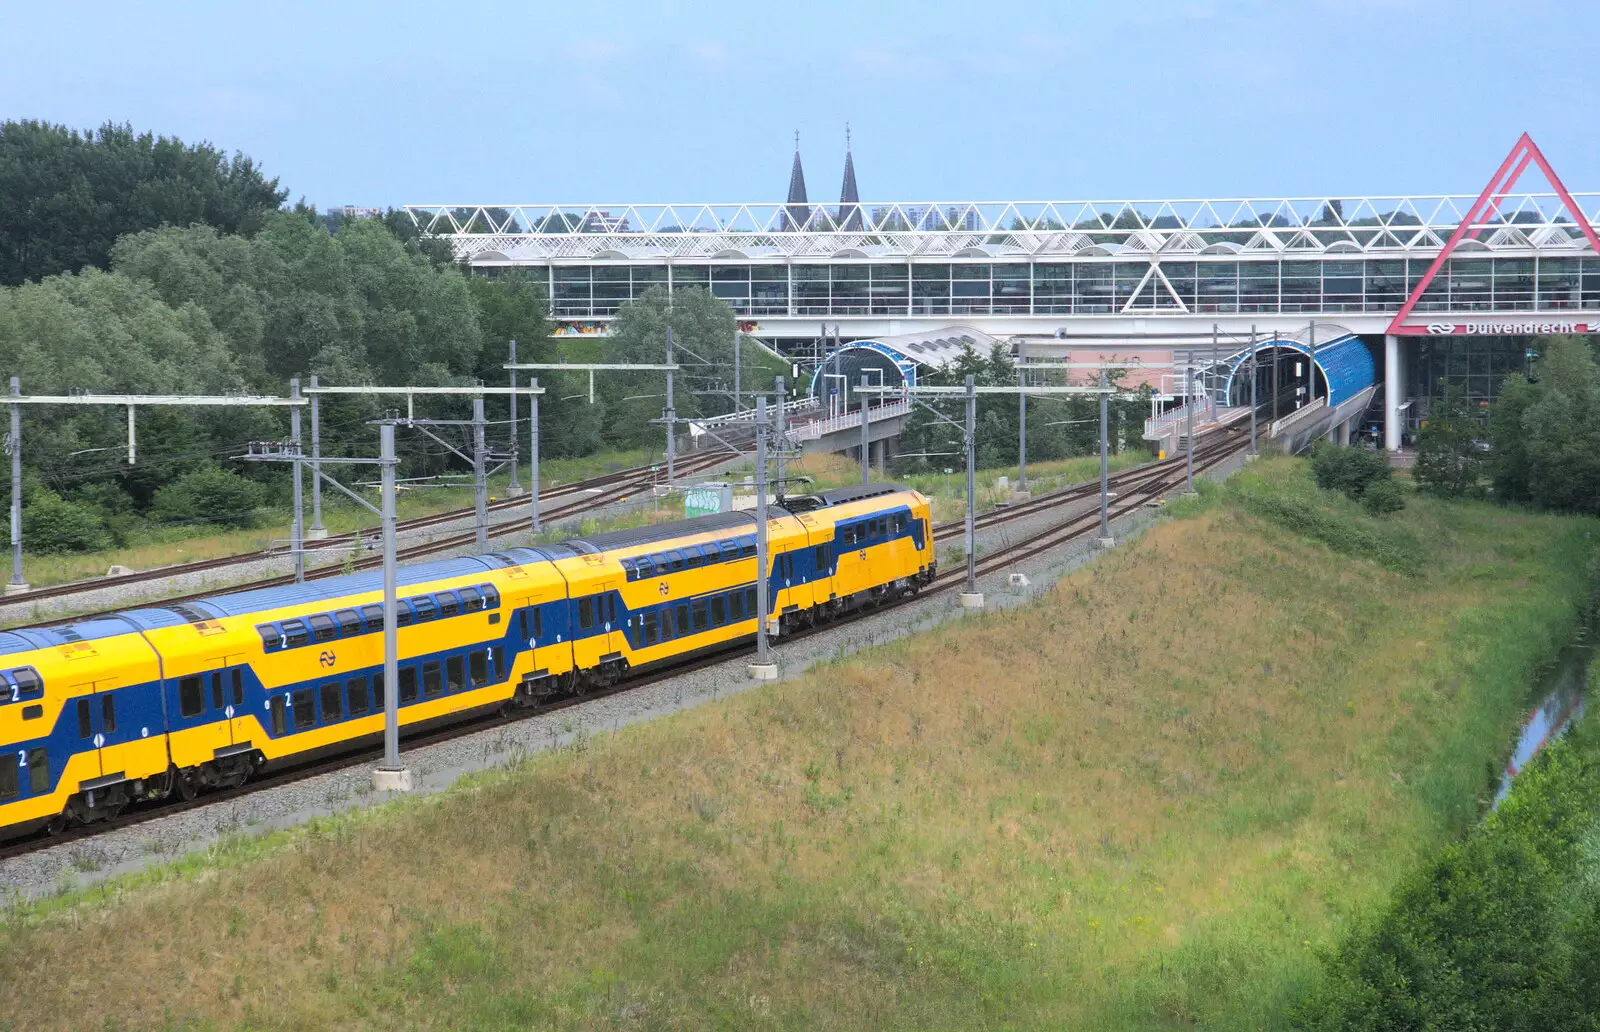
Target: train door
609, 614
198, 705
85, 721
232, 679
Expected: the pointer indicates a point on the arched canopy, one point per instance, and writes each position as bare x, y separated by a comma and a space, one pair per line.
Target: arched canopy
1344, 361
898, 358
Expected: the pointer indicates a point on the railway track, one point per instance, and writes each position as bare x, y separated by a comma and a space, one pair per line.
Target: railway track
636, 476
593, 494
1158, 479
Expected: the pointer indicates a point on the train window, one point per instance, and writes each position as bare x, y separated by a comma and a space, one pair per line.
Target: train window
680, 617
611, 608
585, 613
191, 696
356, 689
883, 526
332, 701
216, 690
33, 712
478, 668
9, 785
108, 713
402, 613
305, 708
432, 678
278, 726
237, 674
322, 628
350, 621
271, 637
295, 633
471, 600
373, 615
491, 596
425, 607
652, 627
28, 683
675, 557
899, 523
693, 557
38, 771
699, 610
377, 691
736, 606
719, 611
455, 671
750, 603
659, 564
538, 621
498, 652
747, 548
844, 535
449, 604
819, 556
408, 684
630, 571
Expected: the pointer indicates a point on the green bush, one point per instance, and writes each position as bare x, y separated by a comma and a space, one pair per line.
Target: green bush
1501, 931
52, 525
1350, 471
209, 495
1383, 497
1295, 504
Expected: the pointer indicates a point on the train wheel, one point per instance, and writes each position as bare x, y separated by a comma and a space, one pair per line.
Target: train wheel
57, 824
185, 785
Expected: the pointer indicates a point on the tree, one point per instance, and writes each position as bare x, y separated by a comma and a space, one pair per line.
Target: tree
66, 196
1449, 462
702, 332
1546, 434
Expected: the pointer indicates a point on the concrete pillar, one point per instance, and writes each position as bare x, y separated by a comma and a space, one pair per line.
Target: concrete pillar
1344, 434
1393, 385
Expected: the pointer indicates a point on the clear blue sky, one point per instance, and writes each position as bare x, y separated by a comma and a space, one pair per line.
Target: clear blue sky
387, 103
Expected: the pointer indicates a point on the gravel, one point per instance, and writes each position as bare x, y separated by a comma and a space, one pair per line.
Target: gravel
87, 862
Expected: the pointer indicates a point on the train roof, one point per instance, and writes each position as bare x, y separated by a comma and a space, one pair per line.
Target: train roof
738, 519
841, 495
243, 603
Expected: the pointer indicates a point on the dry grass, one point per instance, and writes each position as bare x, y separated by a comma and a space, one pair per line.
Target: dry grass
1140, 803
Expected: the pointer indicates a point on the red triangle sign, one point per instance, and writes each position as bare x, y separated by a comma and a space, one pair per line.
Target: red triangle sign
1487, 206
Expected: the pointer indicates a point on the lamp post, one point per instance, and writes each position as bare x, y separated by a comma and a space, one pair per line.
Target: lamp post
763, 669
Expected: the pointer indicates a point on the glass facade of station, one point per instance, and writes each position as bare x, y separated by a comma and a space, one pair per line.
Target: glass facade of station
1091, 286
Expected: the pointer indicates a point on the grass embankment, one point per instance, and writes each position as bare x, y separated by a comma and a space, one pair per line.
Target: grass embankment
1146, 801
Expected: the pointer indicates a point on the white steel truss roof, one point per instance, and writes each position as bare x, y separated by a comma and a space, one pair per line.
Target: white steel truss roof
1001, 230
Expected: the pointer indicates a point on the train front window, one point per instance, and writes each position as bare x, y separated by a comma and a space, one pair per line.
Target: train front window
585, 614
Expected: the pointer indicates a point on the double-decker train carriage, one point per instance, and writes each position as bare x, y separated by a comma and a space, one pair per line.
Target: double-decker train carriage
151, 703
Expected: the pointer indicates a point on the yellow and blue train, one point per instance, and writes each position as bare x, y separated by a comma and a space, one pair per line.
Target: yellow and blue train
173, 700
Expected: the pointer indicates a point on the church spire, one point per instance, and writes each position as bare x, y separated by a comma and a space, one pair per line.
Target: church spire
849, 196
798, 212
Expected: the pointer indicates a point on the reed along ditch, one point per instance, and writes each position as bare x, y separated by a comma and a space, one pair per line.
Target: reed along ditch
1158, 797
